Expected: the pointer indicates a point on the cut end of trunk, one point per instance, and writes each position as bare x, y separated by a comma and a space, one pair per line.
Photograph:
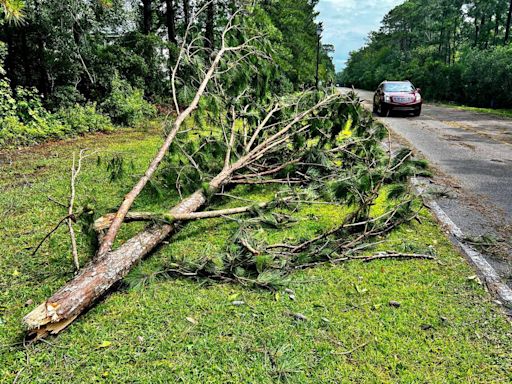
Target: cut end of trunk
44, 320
104, 222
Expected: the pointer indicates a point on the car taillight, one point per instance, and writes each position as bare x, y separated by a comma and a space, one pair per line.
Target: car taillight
418, 97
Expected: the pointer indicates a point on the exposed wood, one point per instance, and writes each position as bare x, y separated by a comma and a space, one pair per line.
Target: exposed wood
105, 221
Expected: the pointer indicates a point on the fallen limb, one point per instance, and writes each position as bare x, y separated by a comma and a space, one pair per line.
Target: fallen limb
75, 172
105, 221
367, 259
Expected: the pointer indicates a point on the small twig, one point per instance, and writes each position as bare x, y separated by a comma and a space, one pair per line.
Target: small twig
349, 352
53, 200
50, 233
249, 247
395, 255
18, 375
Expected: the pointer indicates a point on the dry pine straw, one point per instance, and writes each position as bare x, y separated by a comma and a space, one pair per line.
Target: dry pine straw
445, 329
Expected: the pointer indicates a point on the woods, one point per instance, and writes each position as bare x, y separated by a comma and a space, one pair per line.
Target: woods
454, 50
114, 58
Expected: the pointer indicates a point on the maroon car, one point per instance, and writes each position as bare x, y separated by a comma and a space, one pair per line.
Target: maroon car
397, 96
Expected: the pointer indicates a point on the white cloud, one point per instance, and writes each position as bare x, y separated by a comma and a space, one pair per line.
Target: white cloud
348, 22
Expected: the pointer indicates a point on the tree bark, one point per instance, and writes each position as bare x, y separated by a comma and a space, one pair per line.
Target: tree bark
210, 26
171, 21
509, 21
147, 16
186, 12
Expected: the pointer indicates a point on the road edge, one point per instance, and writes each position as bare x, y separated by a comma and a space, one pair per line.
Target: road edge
484, 270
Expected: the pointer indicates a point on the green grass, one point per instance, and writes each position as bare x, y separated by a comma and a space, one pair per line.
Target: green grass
489, 111
447, 330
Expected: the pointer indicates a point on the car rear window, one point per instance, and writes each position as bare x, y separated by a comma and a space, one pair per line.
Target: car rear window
398, 87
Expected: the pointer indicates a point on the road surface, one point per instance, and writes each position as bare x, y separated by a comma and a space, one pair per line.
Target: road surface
471, 155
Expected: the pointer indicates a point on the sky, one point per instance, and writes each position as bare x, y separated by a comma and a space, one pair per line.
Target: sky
348, 22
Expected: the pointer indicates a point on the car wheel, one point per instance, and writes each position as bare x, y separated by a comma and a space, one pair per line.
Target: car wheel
417, 112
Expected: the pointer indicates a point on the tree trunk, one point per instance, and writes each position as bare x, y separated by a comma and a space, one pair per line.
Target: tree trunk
171, 21
147, 16
507, 25
186, 12
102, 273
99, 275
210, 26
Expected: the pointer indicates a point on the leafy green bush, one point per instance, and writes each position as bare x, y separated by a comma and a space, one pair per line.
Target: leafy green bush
126, 105
44, 125
15, 132
65, 96
82, 119
7, 101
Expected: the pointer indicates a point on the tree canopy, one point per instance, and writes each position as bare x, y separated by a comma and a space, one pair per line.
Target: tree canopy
71, 50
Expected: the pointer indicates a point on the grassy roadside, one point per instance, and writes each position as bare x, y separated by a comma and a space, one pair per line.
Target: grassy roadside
488, 111
445, 330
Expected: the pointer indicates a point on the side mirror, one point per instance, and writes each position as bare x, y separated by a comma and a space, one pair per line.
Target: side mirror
418, 90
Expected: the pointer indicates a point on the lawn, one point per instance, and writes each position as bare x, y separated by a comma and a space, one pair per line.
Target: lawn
489, 111
155, 330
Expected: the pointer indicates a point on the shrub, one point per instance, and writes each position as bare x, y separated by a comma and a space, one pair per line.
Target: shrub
82, 119
42, 125
126, 105
14, 132
7, 101
65, 96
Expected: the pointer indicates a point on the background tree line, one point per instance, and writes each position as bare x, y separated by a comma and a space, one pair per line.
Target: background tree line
455, 50
113, 56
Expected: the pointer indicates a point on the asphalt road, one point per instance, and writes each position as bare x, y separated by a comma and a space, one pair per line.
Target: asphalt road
471, 155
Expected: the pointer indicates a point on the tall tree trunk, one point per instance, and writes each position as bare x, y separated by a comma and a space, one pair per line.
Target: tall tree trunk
507, 25
496, 27
477, 32
171, 21
147, 16
186, 11
210, 26
26, 59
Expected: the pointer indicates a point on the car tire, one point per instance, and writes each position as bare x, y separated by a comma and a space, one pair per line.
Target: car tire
375, 107
417, 112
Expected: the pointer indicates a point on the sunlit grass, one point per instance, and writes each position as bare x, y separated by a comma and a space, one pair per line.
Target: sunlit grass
445, 330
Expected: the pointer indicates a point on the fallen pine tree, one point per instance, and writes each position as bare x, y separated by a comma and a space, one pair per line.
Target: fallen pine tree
291, 140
